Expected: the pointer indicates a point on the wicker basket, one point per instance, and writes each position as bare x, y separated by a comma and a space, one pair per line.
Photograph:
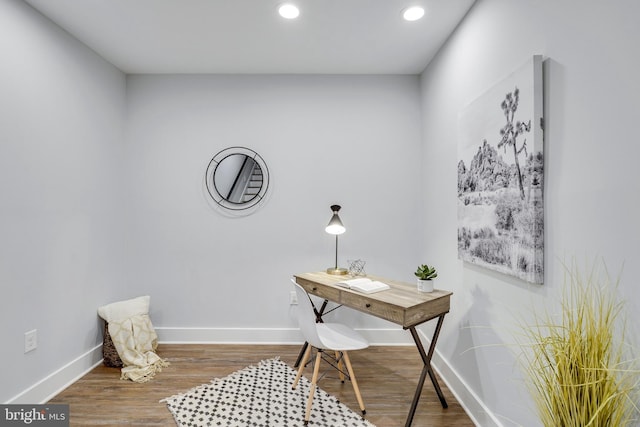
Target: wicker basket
109, 352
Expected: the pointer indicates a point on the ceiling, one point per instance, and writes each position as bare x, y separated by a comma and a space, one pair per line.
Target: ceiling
249, 37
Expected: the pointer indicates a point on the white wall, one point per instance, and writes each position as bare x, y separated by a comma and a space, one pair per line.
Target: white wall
592, 190
103, 199
351, 140
61, 115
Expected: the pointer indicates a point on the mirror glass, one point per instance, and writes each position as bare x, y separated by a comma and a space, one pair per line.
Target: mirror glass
238, 178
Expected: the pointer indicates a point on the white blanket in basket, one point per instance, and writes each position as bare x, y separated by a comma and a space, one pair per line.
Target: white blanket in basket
134, 338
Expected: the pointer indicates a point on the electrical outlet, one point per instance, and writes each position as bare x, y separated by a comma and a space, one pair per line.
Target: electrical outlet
293, 298
30, 340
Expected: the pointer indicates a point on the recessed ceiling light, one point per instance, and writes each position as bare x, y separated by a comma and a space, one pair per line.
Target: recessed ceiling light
413, 13
288, 11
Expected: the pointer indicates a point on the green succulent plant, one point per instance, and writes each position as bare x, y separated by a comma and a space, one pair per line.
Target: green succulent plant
424, 272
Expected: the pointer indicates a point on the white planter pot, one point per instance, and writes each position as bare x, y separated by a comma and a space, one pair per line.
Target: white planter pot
425, 285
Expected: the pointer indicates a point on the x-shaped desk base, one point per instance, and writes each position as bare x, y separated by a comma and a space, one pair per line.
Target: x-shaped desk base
426, 369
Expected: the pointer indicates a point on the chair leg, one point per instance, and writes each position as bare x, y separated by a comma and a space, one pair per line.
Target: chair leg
301, 366
340, 366
314, 381
347, 362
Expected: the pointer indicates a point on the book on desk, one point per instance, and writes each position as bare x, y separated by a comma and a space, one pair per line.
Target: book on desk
364, 285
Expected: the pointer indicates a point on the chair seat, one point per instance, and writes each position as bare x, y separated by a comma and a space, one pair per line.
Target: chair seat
325, 336
335, 336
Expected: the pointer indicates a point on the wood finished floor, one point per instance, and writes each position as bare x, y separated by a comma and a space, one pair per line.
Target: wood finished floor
387, 377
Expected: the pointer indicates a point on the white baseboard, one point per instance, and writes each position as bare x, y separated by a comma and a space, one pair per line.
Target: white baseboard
395, 336
52, 384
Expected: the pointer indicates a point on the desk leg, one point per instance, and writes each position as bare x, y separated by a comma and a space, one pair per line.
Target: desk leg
319, 314
426, 369
302, 350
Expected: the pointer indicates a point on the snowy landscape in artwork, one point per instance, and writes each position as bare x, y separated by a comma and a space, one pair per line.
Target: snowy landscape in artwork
500, 176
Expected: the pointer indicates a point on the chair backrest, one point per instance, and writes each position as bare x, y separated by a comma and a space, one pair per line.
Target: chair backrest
307, 317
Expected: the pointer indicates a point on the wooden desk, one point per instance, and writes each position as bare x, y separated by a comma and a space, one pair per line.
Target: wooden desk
403, 304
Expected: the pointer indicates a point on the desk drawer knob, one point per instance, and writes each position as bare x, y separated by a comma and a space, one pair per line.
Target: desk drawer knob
367, 305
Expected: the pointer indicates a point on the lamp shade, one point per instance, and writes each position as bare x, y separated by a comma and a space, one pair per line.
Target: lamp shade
335, 225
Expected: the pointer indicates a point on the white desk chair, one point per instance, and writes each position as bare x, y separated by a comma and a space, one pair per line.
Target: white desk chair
325, 336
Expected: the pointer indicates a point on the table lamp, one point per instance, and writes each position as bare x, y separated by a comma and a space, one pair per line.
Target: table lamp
335, 227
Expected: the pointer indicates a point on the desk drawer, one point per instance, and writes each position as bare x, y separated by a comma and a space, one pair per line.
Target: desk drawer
374, 307
326, 292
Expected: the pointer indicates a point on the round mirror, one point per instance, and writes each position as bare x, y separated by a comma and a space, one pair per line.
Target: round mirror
237, 178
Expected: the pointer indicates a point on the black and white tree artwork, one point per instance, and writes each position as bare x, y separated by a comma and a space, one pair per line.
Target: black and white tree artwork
501, 179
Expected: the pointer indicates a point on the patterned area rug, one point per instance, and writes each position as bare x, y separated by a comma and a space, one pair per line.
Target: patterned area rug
259, 396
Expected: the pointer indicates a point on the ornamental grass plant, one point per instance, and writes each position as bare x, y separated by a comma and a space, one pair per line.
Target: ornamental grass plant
578, 364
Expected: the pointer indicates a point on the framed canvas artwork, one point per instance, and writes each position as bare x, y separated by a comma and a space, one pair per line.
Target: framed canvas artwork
501, 176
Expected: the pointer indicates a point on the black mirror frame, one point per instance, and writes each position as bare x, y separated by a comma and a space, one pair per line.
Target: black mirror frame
218, 198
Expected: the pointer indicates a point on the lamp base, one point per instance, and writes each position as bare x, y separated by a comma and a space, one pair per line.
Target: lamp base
337, 271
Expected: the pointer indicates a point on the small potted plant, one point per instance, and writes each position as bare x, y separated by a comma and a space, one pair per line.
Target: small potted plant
425, 275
